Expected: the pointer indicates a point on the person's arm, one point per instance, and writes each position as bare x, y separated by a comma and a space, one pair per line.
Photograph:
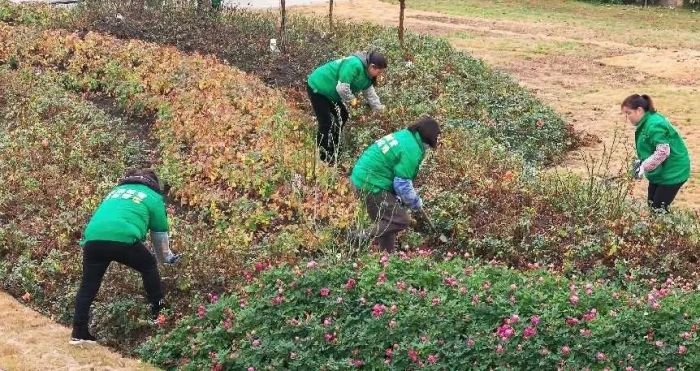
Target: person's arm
347, 73
404, 172
373, 99
663, 150
408, 195
160, 240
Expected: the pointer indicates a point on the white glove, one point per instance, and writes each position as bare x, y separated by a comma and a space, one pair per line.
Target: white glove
639, 173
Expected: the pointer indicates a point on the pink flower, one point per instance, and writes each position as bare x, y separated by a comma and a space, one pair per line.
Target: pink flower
277, 300
500, 349
357, 363
251, 368
382, 278
339, 300
450, 281
227, 324
535, 320
486, 285
329, 337
432, 359
571, 321
213, 297
327, 321
242, 303
529, 332
505, 332
436, 300
586, 332
601, 356
463, 290
629, 368
378, 310
400, 285
260, 266
513, 287
350, 284
389, 352
655, 305
325, 291
471, 342
682, 349
413, 355
589, 289
565, 350
384, 259
475, 299
201, 311
423, 339
394, 308
590, 315
573, 299
256, 343
514, 318
659, 344
392, 324
311, 264
686, 335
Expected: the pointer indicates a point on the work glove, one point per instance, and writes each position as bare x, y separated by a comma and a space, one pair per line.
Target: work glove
637, 170
171, 258
355, 103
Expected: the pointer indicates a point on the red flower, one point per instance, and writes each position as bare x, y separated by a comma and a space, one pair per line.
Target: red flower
325, 291
432, 359
529, 332
161, 319
350, 284
565, 350
413, 355
571, 321
329, 337
378, 310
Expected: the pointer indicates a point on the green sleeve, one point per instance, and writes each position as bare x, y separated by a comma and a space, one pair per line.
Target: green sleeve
349, 70
407, 167
158, 216
659, 134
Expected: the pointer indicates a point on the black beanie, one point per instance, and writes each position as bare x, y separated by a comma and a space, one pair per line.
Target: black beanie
429, 130
146, 177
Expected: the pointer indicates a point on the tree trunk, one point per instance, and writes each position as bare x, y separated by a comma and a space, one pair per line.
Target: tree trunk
283, 23
402, 8
330, 15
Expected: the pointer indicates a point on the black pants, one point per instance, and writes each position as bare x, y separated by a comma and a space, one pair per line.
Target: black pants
390, 217
331, 117
660, 196
96, 258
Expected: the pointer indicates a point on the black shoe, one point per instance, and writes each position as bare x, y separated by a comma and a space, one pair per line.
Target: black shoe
81, 335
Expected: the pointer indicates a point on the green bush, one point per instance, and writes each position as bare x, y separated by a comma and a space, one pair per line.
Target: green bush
412, 311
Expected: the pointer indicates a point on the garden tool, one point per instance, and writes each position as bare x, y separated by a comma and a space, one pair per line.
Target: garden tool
442, 237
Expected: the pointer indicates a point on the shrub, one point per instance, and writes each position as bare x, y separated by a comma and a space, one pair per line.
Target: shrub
411, 312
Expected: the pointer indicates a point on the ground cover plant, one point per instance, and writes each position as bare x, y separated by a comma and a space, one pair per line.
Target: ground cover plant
411, 311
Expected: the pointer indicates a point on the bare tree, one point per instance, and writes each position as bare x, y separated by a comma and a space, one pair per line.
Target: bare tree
402, 9
283, 23
330, 15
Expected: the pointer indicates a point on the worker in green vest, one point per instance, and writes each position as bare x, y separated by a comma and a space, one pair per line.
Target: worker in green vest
384, 177
332, 88
661, 152
115, 233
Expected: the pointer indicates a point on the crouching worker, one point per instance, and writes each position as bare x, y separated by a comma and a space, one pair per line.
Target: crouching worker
116, 232
384, 177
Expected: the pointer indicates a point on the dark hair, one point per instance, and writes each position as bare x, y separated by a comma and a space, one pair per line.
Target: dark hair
429, 130
146, 177
377, 59
635, 101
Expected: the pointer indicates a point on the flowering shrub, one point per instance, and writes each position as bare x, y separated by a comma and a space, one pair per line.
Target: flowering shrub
484, 317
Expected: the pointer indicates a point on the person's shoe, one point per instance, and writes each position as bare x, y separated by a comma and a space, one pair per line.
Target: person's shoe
81, 336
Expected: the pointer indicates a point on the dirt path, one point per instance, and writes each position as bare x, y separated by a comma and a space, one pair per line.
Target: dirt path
31, 341
581, 67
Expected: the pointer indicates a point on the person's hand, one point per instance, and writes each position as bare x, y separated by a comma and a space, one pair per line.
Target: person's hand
172, 259
639, 173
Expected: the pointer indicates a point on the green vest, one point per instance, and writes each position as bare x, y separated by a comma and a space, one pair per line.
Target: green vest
350, 70
654, 129
396, 155
126, 214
